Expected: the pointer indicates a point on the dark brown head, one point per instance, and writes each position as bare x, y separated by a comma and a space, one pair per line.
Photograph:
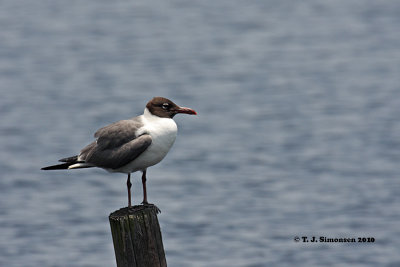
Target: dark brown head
165, 108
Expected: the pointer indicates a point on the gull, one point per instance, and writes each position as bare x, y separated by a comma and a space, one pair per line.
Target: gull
131, 145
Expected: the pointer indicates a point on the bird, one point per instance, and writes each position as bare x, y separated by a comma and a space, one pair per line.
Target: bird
131, 145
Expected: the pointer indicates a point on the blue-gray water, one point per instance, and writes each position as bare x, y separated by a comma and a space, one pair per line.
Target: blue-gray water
298, 131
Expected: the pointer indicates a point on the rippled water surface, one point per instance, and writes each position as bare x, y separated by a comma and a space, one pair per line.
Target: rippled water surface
298, 130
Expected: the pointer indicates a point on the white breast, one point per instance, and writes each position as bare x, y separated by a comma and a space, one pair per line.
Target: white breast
163, 132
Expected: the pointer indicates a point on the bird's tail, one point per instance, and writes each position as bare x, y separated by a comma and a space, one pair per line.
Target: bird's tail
69, 163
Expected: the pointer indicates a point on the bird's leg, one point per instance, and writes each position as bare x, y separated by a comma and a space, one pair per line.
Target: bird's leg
145, 203
144, 188
129, 185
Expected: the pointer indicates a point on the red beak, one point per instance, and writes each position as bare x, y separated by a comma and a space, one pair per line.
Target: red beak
186, 111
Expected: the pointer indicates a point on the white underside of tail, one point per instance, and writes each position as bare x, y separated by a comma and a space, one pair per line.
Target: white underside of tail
80, 165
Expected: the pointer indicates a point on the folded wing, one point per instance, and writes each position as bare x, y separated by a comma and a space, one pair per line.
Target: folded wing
117, 144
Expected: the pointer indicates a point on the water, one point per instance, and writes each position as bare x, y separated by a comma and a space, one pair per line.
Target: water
297, 132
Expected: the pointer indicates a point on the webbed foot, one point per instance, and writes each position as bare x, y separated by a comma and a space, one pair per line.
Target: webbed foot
150, 205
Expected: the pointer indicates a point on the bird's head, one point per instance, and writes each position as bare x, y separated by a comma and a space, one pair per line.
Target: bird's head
165, 108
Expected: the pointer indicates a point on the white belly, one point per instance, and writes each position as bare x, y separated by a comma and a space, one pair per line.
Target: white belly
163, 132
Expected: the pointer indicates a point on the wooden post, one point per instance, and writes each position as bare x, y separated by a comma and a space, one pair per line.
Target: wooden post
137, 237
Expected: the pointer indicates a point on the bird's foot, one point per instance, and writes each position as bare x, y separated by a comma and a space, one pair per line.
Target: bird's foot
150, 205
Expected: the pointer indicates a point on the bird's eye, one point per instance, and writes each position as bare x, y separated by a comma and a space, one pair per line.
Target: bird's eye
165, 106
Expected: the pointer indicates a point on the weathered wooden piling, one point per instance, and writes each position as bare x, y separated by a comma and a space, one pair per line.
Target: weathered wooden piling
137, 237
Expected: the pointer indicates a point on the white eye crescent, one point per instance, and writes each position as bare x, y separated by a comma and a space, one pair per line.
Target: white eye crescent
165, 105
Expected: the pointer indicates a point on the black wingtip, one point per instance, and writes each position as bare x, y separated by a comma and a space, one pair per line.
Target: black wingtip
57, 167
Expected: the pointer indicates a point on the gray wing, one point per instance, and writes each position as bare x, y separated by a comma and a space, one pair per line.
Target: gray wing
117, 133
116, 145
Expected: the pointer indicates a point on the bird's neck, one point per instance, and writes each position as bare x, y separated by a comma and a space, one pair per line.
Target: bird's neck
150, 116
